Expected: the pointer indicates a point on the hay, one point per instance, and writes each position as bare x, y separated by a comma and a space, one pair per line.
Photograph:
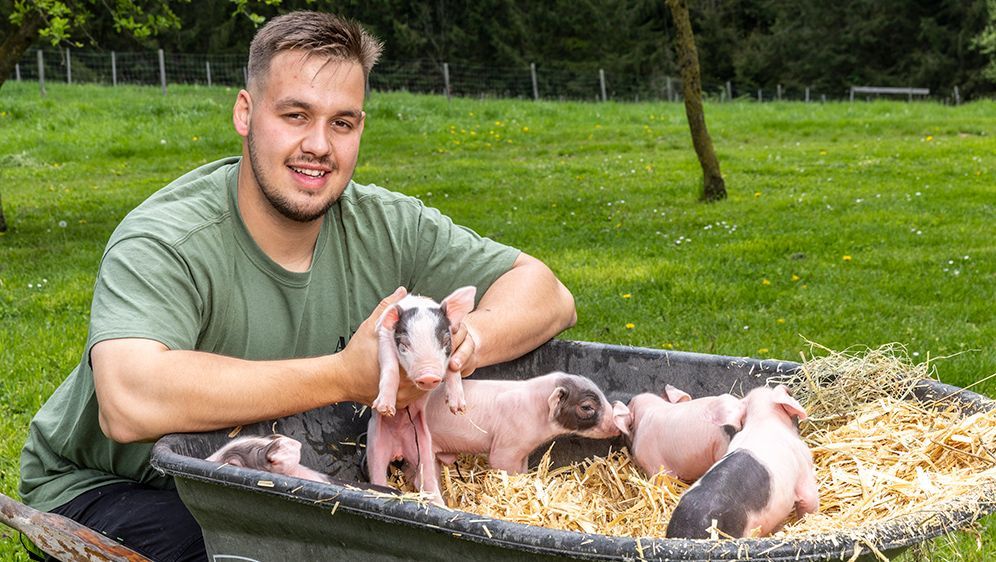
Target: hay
882, 463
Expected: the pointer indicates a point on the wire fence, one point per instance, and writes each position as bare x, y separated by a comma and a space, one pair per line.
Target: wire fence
422, 76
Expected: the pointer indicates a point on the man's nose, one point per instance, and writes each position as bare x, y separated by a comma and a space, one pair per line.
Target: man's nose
318, 140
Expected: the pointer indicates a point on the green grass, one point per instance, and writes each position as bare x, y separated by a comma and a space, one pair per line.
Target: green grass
846, 224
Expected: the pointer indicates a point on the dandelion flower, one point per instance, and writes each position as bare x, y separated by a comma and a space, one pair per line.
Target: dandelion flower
627, 295
847, 258
630, 325
795, 277
780, 321
765, 282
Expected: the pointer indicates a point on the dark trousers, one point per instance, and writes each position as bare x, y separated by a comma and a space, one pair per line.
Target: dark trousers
152, 522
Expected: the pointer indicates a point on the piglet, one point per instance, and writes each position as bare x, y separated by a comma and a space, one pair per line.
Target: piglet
509, 419
414, 335
766, 475
674, 433
273, 453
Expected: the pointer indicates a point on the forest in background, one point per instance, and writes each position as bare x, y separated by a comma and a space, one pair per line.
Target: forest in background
828, 46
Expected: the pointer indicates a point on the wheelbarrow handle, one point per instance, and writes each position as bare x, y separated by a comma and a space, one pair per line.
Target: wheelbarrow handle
62, 537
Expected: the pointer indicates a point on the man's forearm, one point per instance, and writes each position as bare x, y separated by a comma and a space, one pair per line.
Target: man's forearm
145, 392
522, 309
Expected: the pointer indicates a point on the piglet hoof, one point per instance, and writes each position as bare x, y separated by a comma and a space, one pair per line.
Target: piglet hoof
457, 404
383, 407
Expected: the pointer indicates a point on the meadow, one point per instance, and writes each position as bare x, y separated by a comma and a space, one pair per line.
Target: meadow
848, 225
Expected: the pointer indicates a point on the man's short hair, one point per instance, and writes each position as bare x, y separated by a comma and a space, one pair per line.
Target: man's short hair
316, 33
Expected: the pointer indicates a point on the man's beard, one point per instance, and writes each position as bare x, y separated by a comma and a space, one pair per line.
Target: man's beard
277, 201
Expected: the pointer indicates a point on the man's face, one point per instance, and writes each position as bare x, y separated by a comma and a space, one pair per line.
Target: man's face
302, 128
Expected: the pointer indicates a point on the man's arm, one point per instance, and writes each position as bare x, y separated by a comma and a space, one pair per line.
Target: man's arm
522, 309
145, 390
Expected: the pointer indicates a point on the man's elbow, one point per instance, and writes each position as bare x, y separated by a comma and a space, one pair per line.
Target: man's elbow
568, 308
119, 427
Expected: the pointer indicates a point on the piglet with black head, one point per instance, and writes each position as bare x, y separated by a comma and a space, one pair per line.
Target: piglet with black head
509, 419
415, 334
273, 453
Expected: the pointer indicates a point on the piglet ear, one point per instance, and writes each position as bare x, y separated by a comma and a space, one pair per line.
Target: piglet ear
791, 405
458, 304
556, 397
727, 410
675, 395
622, 417
283, 452
389, 318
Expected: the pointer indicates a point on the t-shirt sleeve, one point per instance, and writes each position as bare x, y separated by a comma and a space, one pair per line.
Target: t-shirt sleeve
144, 290
449, 256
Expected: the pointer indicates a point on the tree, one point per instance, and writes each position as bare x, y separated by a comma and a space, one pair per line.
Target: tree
713, 186
60, 21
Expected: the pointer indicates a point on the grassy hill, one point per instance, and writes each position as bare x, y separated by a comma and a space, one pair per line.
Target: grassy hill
847, 225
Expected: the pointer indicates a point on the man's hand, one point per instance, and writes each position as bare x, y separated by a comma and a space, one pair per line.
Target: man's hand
465, 349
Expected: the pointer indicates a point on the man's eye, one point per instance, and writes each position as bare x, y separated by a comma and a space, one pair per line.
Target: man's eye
342, 125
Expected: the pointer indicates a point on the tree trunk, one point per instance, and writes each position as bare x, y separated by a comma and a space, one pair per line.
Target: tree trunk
14, 46
713, 187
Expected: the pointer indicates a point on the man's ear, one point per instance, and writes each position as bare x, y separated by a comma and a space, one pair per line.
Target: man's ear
242, 113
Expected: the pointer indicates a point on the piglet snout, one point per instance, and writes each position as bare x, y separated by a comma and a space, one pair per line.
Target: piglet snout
427, 382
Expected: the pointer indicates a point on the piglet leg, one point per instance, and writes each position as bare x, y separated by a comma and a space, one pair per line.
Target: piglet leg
380, 449
454, 392
426, 469
390, 378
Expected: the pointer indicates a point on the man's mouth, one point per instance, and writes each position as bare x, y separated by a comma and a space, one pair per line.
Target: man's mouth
309, 172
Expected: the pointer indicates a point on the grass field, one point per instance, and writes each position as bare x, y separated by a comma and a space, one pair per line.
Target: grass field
846, 224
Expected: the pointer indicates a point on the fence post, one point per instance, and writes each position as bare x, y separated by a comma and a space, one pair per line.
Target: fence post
41, 71
162, 70
729, 90
601, 80
69, 67
446, 79
670, 91
957, 95
532, 73
207, 65
114, 68
852, 93
823, 98
807, 94
779, 92
17, 72
760, 96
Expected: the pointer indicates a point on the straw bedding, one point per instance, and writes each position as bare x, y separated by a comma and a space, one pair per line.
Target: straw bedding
881, 462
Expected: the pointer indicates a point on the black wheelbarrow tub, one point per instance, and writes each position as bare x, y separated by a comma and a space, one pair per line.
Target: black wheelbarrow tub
253, 515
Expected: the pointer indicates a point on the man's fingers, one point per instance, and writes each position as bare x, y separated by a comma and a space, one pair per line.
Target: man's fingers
461, 360
387, 301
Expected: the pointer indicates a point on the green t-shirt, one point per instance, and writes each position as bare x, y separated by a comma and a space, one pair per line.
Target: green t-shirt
183, 270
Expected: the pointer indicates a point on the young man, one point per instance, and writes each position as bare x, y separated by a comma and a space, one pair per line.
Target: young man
248, 289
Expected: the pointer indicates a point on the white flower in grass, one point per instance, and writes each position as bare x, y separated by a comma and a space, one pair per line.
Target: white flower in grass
63, 224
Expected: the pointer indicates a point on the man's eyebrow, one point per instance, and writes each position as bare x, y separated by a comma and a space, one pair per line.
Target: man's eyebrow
293, 103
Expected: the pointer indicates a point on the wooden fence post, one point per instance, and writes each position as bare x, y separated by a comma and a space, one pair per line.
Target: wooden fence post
41, 71
601, 80
957, 95
207, 66
729, 90
532, 74
17, 71
162, 70
670, 90
446, 79
807, 94
114, 69
69, 67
